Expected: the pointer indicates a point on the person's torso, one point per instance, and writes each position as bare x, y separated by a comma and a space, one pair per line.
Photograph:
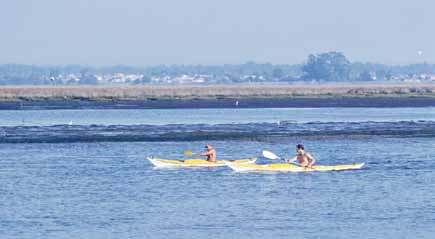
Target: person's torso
212, 156
302, 157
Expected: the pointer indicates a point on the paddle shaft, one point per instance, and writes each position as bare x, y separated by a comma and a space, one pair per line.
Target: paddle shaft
273, 156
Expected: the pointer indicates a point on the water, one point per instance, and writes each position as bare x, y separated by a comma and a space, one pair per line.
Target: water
211, 116
102, 187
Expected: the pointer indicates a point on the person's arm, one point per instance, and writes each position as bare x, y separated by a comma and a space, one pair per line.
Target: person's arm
205, 154
291, 160
312, 160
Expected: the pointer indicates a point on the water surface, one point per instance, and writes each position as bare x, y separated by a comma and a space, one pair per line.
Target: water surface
211, 116
83, 184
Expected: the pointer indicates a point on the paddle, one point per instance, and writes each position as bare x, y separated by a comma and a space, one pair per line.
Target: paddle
270, 155
188, 152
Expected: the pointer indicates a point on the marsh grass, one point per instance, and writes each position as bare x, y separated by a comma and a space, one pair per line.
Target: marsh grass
186, 92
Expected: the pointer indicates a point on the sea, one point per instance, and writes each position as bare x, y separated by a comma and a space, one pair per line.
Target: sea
84, 174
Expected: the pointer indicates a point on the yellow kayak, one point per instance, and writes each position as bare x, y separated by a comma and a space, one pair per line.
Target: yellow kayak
288, 167
158, 162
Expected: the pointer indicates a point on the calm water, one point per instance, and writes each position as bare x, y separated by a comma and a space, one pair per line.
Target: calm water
91, 180
211, 116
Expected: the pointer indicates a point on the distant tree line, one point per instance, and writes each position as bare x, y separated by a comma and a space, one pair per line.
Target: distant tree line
334, 66
323, 67
331, 66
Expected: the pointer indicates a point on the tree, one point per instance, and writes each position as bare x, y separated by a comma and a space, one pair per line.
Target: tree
143, 80
365, 76
277, 73
86, 78
380, 74
330, 66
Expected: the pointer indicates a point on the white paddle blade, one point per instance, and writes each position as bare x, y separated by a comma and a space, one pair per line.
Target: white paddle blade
270, 155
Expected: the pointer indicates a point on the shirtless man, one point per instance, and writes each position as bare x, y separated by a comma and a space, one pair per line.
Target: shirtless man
211, 153
304, 158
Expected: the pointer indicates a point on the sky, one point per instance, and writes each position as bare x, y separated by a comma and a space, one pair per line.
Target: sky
148, 33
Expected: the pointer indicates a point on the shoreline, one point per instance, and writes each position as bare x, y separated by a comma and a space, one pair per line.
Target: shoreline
216, 96
378, 102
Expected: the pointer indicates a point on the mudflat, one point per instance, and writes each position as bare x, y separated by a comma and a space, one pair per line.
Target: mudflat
217, 96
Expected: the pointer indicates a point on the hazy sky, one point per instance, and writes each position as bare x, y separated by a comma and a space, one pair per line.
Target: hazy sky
145, 32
